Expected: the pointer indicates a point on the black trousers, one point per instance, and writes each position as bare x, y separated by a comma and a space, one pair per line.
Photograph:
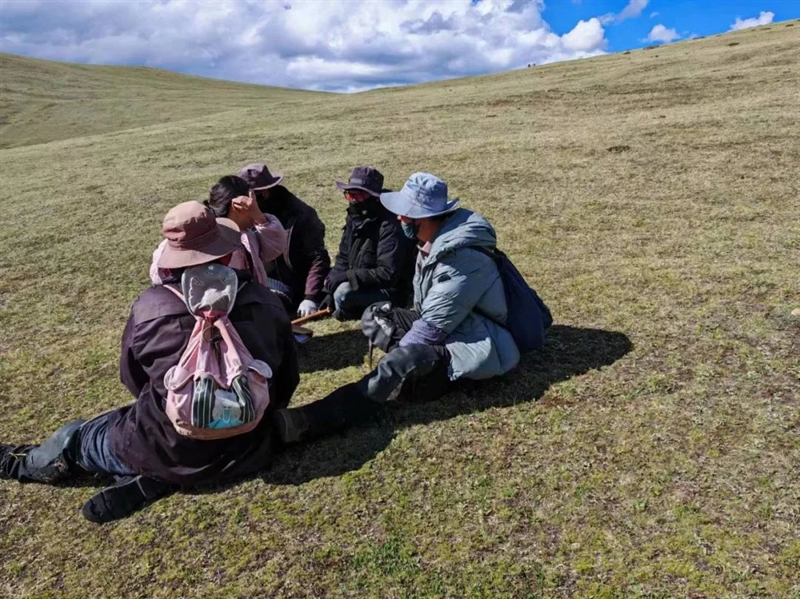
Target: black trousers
414, 373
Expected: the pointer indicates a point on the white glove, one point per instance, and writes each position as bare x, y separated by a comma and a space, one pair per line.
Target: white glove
307, 307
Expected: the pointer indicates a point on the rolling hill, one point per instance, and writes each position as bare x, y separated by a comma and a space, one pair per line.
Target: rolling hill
43, 101
651, 450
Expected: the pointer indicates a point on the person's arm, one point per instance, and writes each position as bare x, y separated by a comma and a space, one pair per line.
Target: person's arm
459, 283
320, 262
131, 372
338, 274
271, 238
286, 376
391, 253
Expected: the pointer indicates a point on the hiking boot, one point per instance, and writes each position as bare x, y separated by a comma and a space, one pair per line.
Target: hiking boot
52, 461
128, 495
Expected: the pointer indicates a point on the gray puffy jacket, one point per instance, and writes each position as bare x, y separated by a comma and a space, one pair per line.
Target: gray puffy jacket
456, 288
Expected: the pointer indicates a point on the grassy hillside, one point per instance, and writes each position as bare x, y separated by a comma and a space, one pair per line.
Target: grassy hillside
42, 101
651, 450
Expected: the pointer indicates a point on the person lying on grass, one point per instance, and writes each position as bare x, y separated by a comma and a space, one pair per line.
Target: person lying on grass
375, 261
138, 444
296, 276
262, 235
454, 330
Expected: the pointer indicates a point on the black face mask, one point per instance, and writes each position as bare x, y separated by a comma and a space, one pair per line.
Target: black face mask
364, 209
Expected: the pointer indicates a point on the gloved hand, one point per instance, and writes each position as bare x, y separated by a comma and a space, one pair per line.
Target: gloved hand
327, 302
334, 279
307, 307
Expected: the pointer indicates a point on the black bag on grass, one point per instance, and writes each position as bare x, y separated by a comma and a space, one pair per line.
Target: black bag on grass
528, 316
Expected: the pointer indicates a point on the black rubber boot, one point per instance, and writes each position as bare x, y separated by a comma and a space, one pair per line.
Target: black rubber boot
416, 365
344, 407
51, 462
128, 495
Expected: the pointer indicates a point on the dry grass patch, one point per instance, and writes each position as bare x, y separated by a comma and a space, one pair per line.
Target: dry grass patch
651, 450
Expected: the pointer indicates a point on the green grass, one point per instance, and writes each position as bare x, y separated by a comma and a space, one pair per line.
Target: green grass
653, 448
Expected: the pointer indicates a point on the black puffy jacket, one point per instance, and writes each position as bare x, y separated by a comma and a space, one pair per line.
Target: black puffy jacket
374, 253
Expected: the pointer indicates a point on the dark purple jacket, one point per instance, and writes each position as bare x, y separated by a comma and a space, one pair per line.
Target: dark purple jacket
157, 333
305, 263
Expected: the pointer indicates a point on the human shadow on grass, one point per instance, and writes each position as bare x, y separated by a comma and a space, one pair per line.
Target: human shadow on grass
333, 352
568, 352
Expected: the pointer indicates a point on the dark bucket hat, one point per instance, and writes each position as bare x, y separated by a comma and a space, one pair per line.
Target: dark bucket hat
258, 177
364, 178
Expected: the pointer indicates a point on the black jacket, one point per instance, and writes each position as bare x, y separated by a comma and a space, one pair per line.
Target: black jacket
374, 253
157, 333
305, 263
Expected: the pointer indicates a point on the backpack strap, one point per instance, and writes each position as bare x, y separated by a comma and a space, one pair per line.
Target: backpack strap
176, 292
495, 255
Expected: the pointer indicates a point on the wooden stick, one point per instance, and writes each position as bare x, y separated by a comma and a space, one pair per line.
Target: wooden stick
312, 316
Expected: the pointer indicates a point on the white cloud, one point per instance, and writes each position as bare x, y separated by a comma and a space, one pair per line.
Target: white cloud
653, 15
300, 43
764, 18
632, 10
659, 33
585, 37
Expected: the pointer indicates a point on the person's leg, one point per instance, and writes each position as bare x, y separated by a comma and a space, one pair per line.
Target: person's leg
53, 461
77, 449
350, 303
424, 368
94, 450
129, 493
341, 408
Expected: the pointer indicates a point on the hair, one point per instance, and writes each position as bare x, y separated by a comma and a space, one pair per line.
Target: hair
223, 192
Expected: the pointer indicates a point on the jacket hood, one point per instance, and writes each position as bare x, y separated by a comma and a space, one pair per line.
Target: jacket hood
464, 229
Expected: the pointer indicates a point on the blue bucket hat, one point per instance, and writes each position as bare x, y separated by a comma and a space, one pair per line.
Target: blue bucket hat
424, 195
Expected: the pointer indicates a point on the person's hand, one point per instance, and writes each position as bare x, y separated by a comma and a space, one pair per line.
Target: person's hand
307, 307
327, 303
334, 279
247, 208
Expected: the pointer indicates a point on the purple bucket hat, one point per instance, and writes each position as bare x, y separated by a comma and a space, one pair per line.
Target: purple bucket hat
364, 178
258, 177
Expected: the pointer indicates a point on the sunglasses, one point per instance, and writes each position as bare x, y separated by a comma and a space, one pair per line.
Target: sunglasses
356, 196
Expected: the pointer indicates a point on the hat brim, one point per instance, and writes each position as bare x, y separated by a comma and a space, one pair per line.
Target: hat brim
276, 179
399, 203
227, 242
349, 187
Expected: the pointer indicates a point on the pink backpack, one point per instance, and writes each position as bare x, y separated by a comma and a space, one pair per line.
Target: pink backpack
216, 390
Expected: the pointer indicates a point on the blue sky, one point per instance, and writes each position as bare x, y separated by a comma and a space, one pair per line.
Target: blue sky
351, 45
686, 17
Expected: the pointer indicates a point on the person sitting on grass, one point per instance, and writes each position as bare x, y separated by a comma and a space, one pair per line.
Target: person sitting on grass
296, 276
262, 235
138, 444
375, 259
452, 333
